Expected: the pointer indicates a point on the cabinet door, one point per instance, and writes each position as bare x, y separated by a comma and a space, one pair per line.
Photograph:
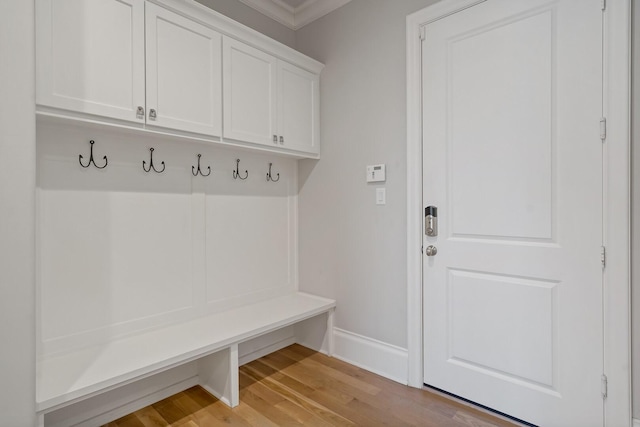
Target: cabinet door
298, 108
90, 56
249, 78
184, 73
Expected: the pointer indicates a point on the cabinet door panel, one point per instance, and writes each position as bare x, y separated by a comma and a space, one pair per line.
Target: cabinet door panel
249, 93
90, 56
184, 73
298, 108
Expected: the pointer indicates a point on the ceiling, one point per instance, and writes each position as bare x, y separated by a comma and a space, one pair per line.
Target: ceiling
295, 14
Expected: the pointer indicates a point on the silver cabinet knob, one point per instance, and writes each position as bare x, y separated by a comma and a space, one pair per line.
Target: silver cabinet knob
431, 250
152, 114
140, 112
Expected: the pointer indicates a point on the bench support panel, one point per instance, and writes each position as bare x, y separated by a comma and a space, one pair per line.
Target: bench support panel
218, 373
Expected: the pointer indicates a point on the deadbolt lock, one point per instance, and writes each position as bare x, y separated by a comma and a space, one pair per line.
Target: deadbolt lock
431, 221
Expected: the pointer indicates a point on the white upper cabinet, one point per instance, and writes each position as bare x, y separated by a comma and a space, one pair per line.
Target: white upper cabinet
90, 57
269, 101
249, 93
298, 108
175, 67
184, 73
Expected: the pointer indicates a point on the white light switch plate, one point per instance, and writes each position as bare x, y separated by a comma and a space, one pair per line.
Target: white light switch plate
381, 196
376, 173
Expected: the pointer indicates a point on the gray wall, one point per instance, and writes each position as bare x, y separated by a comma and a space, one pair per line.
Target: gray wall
350, 249
242, 13
635, 209
17, 214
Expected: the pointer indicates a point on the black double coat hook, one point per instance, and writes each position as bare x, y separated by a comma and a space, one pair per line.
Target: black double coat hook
91, 160
195, 171
270, 177
151, 166
236, 173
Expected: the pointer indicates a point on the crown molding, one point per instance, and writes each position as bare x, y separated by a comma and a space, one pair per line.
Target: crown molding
315, 9
295, 18
273, 11
284, 5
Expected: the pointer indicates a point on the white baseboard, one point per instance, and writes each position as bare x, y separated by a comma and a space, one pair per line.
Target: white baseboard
378, 357
636, 422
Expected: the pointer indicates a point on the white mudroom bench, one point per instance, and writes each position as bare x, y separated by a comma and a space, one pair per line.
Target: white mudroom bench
211, 341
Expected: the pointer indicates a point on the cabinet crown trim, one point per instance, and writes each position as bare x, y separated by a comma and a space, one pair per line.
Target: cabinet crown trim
227, 26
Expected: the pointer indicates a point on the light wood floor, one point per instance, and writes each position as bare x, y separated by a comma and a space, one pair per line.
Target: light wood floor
299, 387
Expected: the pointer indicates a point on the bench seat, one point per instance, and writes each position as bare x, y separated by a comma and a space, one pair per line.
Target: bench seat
68, 378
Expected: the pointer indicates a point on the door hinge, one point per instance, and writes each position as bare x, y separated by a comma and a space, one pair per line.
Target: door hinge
603, 256
603, 129
604, 386
603, 4
423, 32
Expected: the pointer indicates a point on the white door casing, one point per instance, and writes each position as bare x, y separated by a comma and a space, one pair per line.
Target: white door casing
534, 231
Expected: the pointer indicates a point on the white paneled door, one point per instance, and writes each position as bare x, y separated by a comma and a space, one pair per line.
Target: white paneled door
512, 101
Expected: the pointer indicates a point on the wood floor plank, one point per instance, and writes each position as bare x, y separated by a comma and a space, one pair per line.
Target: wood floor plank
267, 371
187, 404
130, 420
253, 417
318, 378
275, 415
187, 423
220, 414
200, 396
260, 390
299, 399
304, 417
297, 386
436, 402
329, 399
168, 409
325, 370
149, 417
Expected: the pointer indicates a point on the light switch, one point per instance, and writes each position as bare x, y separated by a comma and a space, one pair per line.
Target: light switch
376, 173
381, 196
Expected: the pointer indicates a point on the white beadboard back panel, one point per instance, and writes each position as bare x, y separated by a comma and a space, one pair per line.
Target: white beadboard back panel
122, 250
248, 247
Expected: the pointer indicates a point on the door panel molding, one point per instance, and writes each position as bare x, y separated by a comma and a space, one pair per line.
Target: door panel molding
617, 358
